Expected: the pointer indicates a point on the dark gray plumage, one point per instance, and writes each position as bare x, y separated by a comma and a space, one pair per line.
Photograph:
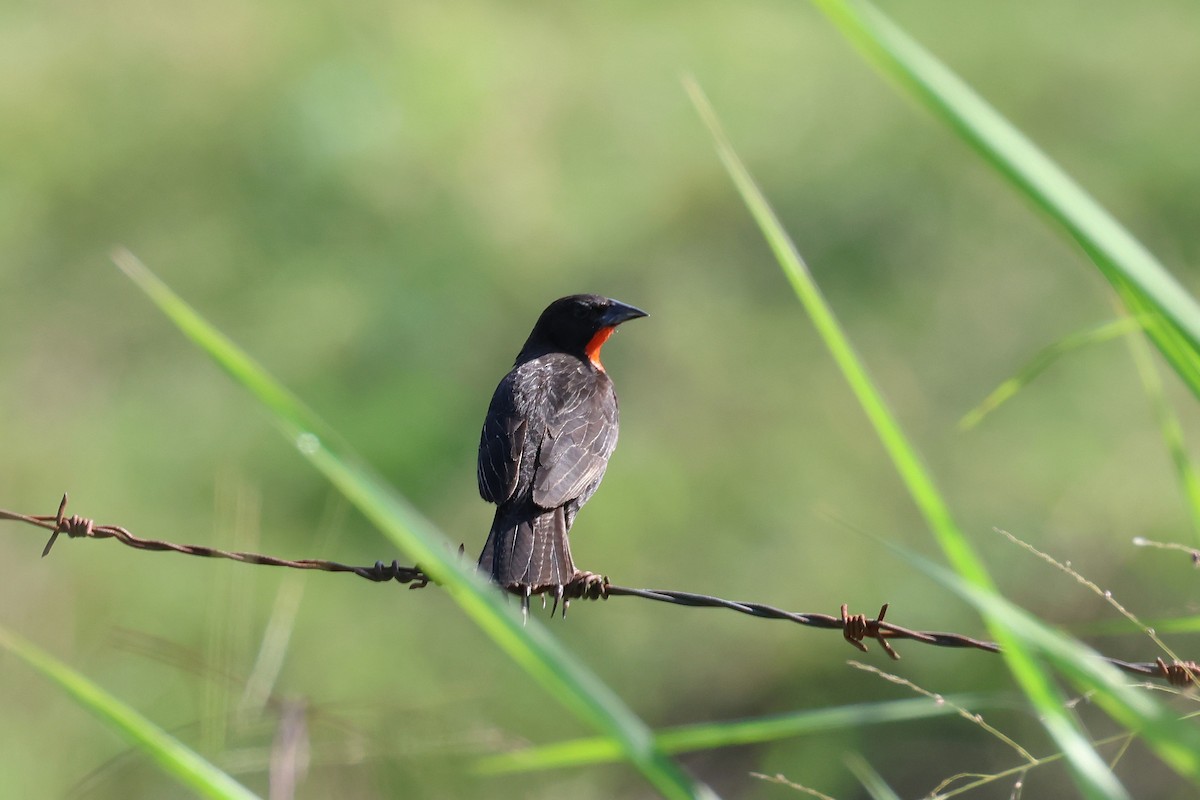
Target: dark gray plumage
549, 431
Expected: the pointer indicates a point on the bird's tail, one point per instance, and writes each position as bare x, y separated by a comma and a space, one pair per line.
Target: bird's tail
528, 550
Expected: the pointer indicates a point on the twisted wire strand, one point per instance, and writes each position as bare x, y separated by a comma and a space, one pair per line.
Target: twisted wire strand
77, 527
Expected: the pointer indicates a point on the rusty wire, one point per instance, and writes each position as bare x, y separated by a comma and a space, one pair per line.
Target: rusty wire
855, 628
77, 527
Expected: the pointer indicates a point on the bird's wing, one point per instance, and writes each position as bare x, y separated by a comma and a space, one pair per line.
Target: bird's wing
580, 436
500, 445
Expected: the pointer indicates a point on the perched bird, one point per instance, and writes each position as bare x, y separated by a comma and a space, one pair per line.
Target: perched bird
549, 432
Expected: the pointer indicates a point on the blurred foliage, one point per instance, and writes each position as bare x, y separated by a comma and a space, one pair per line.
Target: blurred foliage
376, 200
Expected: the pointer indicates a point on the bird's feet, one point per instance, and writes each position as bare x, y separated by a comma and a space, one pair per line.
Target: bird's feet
587, 586
582, 586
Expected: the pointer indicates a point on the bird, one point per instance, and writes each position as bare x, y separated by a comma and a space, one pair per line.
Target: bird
546, 440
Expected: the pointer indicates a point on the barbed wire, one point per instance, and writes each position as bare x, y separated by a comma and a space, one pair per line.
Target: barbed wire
77, 527
855, 628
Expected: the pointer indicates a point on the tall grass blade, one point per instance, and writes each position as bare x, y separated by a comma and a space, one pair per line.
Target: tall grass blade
1091, 773
171, 754
1170, 429
1142, 282
1120, 627
531, 646
707, 736
1041, 362
1168, 422
871, 780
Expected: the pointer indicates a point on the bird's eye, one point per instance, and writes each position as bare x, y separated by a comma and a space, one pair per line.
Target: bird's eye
580, 312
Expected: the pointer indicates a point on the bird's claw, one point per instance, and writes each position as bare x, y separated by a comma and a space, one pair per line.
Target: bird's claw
558, 597
526, 593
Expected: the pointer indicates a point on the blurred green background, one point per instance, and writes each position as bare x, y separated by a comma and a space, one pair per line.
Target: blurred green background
376, 200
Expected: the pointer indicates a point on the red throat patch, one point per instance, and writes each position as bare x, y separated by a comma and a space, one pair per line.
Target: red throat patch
593, 347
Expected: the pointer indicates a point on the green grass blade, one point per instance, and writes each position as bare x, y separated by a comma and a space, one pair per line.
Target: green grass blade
707, 736
1168, 421
1121, 627
1169, 427
1042, 361
1132, 270
1092, 775
916, 478
1176, 741
531, 646
1179, 353
172, 755
870, 779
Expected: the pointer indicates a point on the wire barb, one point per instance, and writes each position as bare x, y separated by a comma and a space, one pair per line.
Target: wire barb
1178, 673
75, 527
858, 627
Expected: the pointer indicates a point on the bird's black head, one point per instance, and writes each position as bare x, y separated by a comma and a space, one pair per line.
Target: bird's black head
579, 325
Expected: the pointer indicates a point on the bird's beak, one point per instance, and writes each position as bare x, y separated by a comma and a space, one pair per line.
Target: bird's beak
618, 312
